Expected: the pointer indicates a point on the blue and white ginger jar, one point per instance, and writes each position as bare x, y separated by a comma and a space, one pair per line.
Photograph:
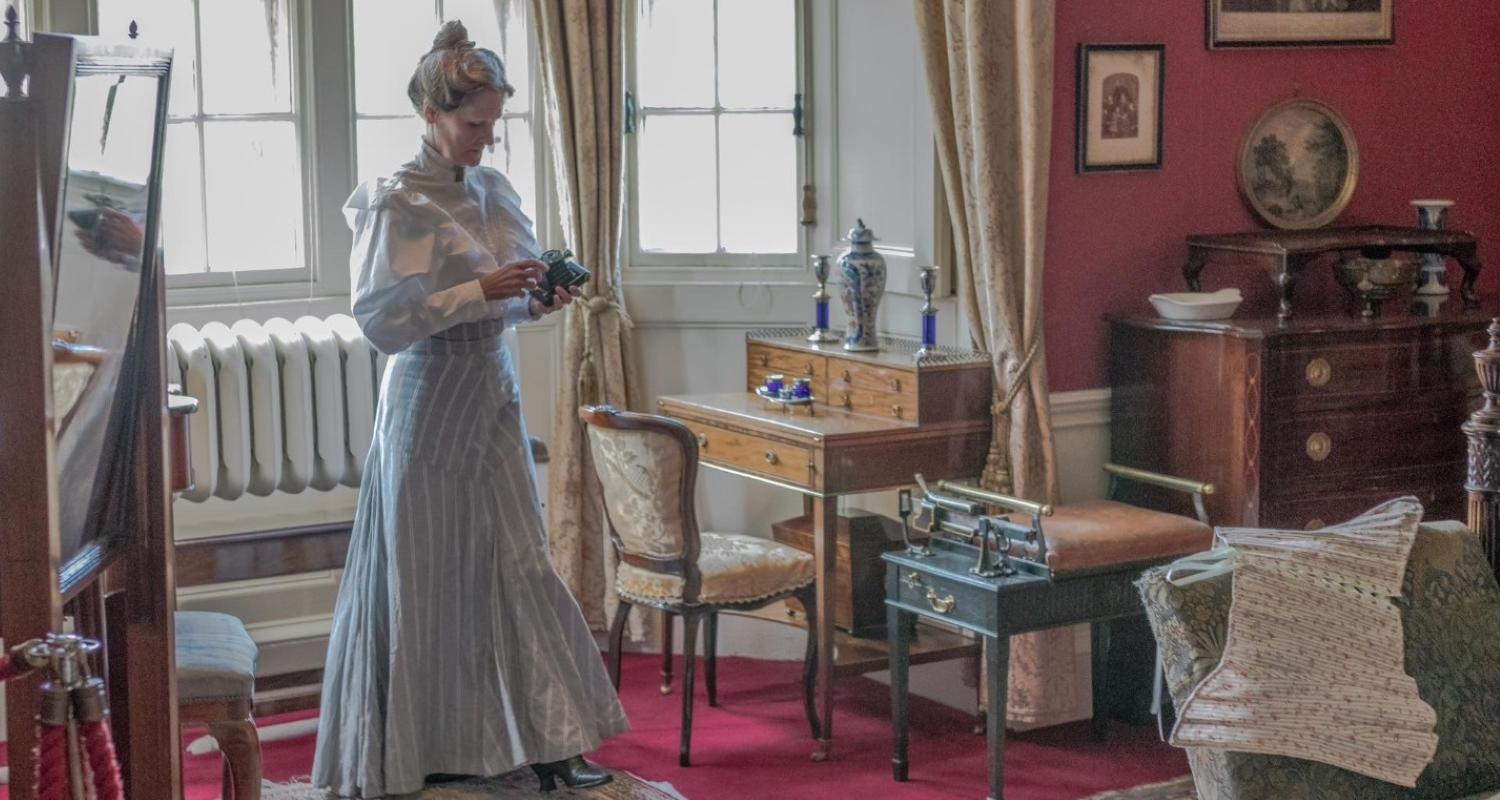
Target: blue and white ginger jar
864, 284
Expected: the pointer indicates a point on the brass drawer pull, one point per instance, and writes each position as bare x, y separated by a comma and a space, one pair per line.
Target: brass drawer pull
808, 368
846, 376
765, 360
845, 401
1319, 446
896, 412
1319, 372
771, 457
702, 441
895, 384
942, 605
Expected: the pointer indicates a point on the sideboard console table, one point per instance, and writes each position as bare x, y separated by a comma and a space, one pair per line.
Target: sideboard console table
875, 420
1284, 254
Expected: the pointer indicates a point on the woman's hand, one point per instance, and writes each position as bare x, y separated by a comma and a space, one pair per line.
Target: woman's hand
561, 297
513, 279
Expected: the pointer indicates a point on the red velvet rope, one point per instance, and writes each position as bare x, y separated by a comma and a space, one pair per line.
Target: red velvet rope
52, 762
101, 754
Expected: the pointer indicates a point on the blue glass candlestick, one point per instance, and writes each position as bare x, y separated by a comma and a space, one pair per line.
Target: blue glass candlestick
820, 334
929, 314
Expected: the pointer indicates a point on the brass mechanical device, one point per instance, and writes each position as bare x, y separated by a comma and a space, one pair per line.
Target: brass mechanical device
983, 520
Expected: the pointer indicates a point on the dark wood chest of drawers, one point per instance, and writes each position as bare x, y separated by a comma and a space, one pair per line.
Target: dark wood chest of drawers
1302, 422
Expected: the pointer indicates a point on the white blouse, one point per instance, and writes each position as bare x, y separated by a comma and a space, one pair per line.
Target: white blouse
422, 238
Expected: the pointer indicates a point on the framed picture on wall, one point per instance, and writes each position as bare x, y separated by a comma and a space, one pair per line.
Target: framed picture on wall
1120, 94
1292, 23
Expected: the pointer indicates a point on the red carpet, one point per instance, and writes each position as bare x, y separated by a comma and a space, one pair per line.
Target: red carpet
756, 745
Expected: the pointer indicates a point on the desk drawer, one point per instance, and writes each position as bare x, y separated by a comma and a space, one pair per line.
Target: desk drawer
761, 360
877, 391
945, 598
787, 462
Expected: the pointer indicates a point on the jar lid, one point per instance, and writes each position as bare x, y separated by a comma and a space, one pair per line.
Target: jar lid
859, 234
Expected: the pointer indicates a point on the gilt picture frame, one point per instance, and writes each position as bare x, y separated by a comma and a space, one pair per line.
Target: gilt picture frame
1300, 23
1298, 164
1121, 96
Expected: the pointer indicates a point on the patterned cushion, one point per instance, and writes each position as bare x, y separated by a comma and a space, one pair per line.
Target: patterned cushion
641, 472
735, 569
1450, 611
215, 657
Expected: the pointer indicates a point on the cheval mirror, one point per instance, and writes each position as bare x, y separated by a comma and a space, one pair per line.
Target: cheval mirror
85, 507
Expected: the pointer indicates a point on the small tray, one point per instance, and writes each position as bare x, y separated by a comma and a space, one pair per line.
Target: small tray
785, 401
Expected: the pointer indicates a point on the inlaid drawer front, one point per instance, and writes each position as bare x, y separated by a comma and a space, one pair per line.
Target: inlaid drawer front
751, 453
1373, 367
1441, 499
946, 598
1312, 445
762, 360
877, 391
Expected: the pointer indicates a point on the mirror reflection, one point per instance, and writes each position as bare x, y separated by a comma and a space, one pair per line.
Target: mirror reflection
98, 284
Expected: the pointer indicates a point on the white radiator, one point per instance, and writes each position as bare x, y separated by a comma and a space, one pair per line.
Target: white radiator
282, 406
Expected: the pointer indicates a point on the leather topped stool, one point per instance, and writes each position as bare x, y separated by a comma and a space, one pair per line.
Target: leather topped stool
216, 688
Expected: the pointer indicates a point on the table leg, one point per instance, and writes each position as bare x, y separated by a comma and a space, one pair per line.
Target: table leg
1193, 269
898, 624
997, 674
825, 553
1099, 632
1470, 263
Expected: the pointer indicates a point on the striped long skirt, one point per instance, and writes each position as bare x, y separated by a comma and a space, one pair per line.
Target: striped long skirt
455, 648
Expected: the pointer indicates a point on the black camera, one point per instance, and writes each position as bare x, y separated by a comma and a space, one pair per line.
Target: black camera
562, 273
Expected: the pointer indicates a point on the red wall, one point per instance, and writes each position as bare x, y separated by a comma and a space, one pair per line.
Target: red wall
1425, 114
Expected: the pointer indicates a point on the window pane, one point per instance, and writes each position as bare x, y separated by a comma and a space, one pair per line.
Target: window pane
163, 23
675, 53
515, 156
382, 145
759, 183
757, 53
247, 56
676, 184
182, 202
389, 37
499, 25
254, 196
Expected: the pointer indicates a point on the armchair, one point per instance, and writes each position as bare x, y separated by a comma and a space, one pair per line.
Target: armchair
1450, 611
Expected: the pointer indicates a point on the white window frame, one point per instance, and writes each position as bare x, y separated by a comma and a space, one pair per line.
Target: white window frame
321, 35
656, 268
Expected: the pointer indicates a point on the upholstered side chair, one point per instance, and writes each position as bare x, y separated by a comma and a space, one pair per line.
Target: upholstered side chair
648, 467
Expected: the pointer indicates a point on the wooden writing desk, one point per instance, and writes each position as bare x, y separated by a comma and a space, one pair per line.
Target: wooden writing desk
879, 418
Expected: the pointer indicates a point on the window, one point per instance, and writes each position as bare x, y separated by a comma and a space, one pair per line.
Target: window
717, 151
233, 199
388, 40
262, 151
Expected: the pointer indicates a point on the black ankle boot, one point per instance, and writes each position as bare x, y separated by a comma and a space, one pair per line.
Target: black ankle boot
574, 772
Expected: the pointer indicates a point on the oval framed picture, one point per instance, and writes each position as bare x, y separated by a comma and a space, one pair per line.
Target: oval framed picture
1299, 164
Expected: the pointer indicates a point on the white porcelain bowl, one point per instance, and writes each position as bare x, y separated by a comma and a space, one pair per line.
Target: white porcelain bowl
1197, 305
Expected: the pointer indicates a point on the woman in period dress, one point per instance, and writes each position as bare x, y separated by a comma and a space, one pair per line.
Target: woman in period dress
456, 649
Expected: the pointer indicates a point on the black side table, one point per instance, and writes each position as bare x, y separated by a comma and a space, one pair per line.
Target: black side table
941, 587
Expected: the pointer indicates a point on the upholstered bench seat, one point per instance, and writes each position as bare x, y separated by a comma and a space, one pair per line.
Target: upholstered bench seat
1104, 535
735, 569
215, 658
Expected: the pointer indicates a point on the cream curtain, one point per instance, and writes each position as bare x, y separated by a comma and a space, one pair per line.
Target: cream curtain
989, 71
582, 45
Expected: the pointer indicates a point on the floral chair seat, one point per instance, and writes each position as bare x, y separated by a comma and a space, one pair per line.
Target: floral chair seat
735, 569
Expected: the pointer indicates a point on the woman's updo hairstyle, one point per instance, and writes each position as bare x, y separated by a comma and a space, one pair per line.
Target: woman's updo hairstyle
453, 68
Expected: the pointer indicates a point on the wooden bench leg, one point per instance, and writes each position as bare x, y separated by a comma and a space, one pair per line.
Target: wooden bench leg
240, 745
